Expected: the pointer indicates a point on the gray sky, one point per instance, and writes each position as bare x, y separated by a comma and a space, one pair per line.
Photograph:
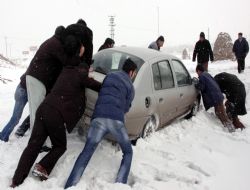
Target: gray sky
30, 22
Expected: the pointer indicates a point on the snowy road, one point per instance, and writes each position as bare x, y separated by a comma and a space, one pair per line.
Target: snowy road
195, 154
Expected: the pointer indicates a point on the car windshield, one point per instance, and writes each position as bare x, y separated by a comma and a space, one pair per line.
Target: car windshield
109, 60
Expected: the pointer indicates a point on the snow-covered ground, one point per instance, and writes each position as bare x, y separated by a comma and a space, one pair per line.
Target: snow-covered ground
195, 154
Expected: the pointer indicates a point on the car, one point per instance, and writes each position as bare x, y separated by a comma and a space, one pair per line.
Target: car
164, 89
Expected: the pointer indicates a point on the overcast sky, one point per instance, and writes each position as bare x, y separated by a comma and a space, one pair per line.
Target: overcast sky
29, 22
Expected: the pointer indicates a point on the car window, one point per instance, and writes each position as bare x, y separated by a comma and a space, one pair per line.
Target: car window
182, 75
162, 75
110, 60
156, 76
167, 80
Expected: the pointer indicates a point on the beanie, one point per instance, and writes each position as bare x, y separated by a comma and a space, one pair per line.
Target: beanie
202, 35
85, 36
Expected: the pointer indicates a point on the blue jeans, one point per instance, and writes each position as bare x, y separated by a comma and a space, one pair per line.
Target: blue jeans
98, 128
20, 101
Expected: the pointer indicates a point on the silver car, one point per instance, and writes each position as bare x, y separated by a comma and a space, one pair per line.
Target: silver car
164, 89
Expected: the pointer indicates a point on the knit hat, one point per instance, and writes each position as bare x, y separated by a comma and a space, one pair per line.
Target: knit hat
202, 35
85, 36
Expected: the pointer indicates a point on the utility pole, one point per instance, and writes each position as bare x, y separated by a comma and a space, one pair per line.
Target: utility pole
6, 47
112, 26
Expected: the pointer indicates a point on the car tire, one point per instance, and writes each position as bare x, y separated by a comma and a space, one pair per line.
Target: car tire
194, 109
149, 128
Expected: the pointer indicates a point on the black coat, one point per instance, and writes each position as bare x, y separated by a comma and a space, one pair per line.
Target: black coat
240, 48
68, 93
203, 51
234, 90
47, 63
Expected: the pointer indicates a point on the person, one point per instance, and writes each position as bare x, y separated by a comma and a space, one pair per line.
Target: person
47, 64
235, 93
212, 96
49, 53
203, 51
241, 49
21, 100
109, 43
60, 111
114, 100
157, 44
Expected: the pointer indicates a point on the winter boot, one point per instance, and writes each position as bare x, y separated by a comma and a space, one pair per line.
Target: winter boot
237, 124
40, 172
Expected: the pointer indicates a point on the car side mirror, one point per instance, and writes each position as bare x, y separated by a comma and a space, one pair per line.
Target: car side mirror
195, 81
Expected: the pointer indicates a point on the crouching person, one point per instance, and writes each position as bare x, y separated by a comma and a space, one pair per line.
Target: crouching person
60, 110
212, 96
235, 93
113, 102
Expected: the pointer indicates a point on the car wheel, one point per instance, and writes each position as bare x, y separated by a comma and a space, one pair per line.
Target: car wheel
194, 109
149, 127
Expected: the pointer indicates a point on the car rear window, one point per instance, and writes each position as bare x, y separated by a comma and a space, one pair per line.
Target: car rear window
109, 60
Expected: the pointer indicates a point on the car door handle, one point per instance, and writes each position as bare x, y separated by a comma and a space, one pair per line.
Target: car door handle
160, 99
181, 94
147, 102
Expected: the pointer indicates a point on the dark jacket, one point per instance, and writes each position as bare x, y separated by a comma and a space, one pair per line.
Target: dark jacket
47, 63
115, 97
203, 51
234, 90
68, 93
211, 93
241, 48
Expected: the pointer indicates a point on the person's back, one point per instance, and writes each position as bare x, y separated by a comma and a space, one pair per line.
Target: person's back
211, 92
113, 98
68, 93
47, 63
234, 90
228, 83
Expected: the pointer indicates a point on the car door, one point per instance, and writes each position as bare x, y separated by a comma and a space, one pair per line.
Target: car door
165, 93
186, 91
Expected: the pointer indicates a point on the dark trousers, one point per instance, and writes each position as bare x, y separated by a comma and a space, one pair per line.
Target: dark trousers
48, 123
204, 65
241, 64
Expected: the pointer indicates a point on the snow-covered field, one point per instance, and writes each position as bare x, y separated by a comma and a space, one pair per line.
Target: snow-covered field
195, 154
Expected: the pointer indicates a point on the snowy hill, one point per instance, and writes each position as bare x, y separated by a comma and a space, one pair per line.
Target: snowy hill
195, 154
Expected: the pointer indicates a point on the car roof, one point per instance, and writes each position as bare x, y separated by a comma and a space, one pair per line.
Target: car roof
143, 53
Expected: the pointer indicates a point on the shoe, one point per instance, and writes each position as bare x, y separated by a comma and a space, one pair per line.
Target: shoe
3, 139
40, 172
237, 124
13, 185
20, 131
45, 149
